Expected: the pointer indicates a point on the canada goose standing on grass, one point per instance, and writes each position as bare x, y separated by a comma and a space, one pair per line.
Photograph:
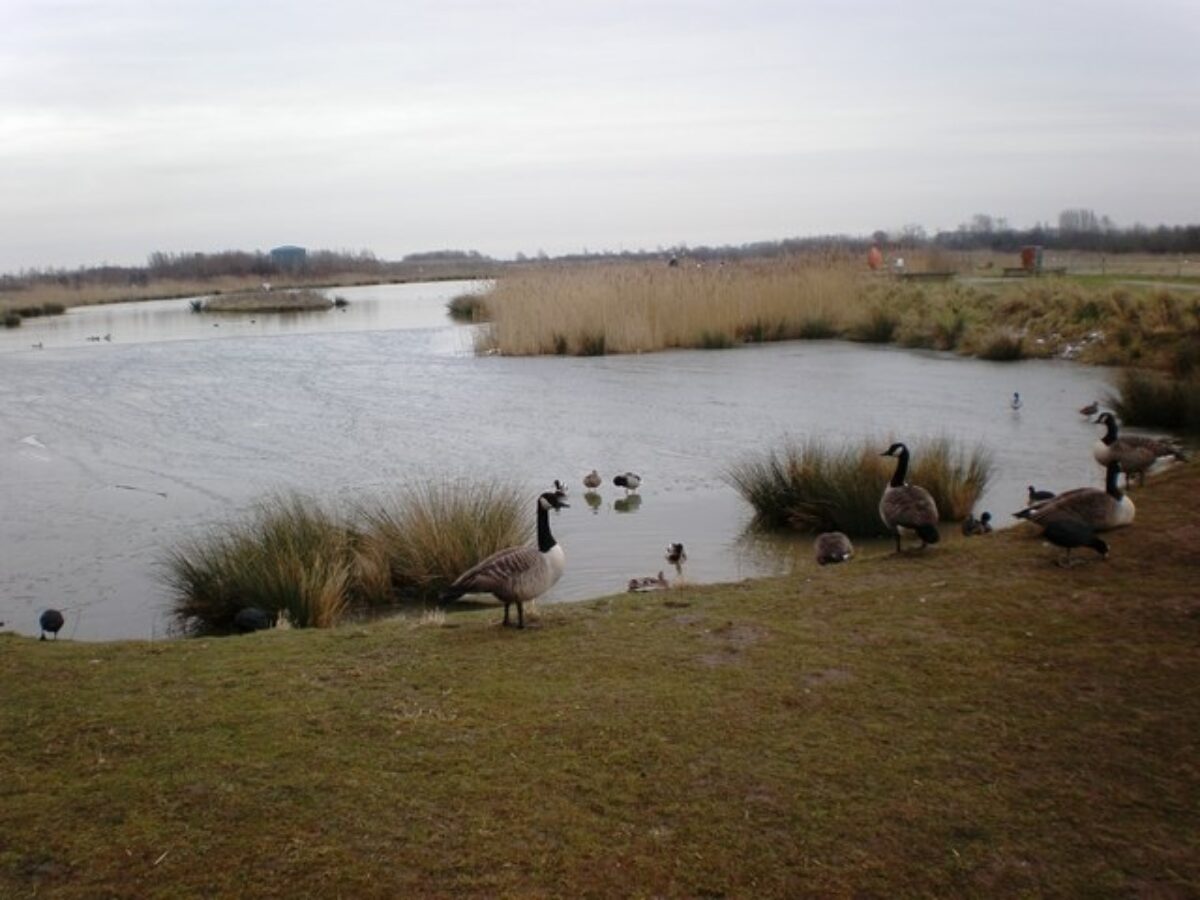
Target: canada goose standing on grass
1098, 509
52, 621
1069, 535
905, 505
629, 481
518, 574
1036, 496
592, 480
1134, 453
832, 547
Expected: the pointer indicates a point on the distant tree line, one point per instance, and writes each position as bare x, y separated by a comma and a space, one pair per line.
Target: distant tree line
1077, 229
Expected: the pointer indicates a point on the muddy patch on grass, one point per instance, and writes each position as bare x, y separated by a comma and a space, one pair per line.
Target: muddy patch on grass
825, 677
731, 641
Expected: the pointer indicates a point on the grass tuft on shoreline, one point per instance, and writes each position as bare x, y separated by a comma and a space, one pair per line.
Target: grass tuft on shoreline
813, 486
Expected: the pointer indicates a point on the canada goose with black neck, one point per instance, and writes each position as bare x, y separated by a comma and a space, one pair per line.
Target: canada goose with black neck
1134, 453
1099, 510
518, 574
907, 506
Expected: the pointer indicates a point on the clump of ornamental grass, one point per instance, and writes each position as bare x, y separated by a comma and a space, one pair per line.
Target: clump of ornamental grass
289, 556
1150, 400
431, 533
811, 485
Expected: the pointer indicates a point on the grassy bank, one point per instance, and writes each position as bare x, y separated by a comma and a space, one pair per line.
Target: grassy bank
970, 721
260, 301
590, 310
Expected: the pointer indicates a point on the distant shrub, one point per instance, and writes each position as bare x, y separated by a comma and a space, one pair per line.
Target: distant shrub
468, 308
12, 319
817, 329
714, 340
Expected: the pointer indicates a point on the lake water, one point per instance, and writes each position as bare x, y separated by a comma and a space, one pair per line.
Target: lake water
137, 426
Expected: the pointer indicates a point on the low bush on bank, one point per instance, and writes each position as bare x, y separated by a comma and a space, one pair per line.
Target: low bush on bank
811, 485
468, 308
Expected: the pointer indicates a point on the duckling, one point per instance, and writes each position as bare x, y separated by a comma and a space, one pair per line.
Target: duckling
650, 583
1069, 535
972, 526
592, 480
1135, 454
1036, 496
832, 547
518, 574
630, 481
907, 506
1098, 509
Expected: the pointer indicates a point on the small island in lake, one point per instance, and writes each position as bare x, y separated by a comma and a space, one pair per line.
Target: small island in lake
303, 300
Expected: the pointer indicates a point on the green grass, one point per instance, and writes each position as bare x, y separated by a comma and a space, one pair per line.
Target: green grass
813, 486
972, 721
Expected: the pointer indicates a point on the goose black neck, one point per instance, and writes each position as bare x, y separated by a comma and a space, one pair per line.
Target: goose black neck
1110, 431
1110, 481
545, 538
901, 469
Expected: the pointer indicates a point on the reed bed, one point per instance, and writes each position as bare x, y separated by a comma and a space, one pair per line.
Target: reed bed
811, 485
597, 309
292, 555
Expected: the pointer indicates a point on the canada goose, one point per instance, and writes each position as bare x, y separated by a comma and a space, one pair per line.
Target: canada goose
629, 481
560, 487
517, 574
1090, 410
907, 505
52, 621
676, 555
972, 526
1098, 509
253, 618
1036, 496
1069, 535
1134, 453
592, 480
832, 547
1015, 402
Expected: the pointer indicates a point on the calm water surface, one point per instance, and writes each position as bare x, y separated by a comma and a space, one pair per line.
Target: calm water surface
114, 450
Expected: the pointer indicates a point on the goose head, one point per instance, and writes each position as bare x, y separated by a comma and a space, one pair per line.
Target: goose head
553, 500
897, 449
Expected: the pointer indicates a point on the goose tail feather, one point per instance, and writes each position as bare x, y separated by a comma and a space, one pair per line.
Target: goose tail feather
928, 533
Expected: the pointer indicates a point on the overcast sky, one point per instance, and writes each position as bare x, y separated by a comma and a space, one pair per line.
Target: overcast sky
132, 126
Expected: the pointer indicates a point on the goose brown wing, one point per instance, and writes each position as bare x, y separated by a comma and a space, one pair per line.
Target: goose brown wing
499, 569
1087, 505
910, 506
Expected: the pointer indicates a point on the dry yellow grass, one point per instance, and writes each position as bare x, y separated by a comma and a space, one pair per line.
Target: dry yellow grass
587, 310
